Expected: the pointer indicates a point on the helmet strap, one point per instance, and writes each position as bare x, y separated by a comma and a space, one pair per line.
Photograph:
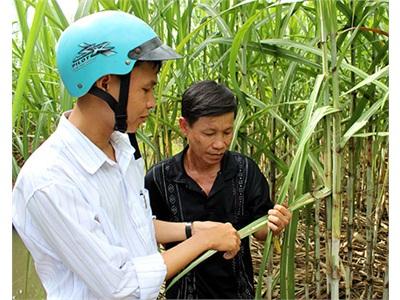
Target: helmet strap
118, 107
103, 95
134, 143
121, 114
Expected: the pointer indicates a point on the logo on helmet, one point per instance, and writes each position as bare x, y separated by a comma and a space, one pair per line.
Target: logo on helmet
89, 52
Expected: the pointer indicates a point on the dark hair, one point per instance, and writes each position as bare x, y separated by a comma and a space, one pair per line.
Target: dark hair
207, 98
156, 64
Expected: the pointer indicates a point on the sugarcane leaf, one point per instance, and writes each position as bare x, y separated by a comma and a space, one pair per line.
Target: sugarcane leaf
83, 9
363, 120
367, 134
224, 28
370, 79
309, 198
18, 100
236, 45
244, 232
318, 52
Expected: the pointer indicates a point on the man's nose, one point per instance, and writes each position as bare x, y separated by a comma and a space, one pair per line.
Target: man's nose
219, 144
151, 102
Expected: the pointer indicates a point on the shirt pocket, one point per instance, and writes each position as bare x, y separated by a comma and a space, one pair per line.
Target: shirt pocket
145, 199
149, 216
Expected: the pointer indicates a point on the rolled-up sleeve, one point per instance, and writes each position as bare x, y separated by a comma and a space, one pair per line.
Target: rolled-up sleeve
151, 272
75, 233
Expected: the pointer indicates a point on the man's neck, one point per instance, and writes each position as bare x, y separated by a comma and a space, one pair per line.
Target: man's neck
197, 164
202, 173
94, 122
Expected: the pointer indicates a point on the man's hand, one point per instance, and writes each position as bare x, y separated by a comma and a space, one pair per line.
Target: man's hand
278, 218
221, 237
198, 226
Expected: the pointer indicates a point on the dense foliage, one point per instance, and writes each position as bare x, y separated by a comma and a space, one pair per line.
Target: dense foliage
312, 82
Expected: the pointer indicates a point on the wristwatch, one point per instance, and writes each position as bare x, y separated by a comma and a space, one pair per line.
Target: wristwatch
188, 229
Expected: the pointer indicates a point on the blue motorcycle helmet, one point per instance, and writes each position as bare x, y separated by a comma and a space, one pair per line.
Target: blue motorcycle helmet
107, 42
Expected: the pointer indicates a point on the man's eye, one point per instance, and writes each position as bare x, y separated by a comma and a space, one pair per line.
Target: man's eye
146, 90
209, 133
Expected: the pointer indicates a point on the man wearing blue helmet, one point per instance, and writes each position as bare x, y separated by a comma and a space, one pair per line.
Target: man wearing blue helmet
79, 202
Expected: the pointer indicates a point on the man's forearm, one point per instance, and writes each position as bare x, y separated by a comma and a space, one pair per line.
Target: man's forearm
168, 232
181, 255
222, 237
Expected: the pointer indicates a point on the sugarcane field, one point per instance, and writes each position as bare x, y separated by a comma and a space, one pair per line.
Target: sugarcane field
305, 213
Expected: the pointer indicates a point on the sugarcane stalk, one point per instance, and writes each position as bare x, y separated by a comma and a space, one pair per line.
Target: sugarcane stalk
270, 278
337, 156
369, 215
317, 252
381, 193
327, 142
351, 181
308, 217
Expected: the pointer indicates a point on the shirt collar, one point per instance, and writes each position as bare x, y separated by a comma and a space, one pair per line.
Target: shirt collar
124, 151
89, 156
178, 174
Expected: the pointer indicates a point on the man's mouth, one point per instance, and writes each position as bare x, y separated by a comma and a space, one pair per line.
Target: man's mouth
216, 154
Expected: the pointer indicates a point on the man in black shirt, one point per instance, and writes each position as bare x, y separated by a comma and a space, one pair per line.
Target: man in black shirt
206, 182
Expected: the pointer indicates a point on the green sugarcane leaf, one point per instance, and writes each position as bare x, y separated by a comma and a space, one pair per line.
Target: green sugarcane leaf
236, 45
83, 9
367, 134
224, 28
310, 198
363, 120
18, 101
318, 52
244, 232
370, 79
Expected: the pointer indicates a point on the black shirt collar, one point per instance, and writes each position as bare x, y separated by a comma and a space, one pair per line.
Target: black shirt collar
178, 174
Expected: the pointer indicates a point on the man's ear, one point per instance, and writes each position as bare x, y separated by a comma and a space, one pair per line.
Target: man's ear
103, 82
183, 125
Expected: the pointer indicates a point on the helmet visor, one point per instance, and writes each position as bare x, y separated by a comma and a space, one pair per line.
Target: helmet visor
153, 50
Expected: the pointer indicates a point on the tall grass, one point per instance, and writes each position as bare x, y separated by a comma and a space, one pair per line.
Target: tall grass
312, 82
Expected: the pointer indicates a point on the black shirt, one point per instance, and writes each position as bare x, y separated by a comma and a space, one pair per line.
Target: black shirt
239, 195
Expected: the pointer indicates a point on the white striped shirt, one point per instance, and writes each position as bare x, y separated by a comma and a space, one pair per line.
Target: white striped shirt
86, 219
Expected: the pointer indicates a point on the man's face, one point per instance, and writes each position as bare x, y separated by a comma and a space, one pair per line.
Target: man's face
209, 137
141, 97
